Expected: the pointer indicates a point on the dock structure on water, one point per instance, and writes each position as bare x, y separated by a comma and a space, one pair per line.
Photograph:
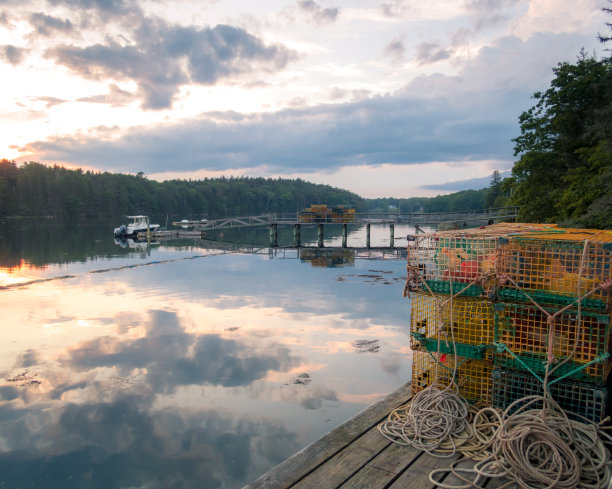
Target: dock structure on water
274, 220
170, 234
356, 455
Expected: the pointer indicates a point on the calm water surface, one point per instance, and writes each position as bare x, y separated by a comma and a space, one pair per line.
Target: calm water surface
184, 365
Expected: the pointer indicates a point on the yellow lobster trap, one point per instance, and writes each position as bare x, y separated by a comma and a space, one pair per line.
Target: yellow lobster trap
557, 267
471, 377
436, 319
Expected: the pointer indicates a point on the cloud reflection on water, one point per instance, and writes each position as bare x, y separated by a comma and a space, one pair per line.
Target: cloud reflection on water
173, 375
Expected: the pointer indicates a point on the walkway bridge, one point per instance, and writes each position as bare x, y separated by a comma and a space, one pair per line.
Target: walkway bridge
273, 220
416, 218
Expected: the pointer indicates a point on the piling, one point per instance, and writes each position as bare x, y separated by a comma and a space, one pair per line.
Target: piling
392, 235
344, 234
320, 234
367, 235
273, 235
296, 235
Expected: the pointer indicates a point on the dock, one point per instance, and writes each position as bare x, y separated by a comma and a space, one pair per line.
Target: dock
172, 234
356, 455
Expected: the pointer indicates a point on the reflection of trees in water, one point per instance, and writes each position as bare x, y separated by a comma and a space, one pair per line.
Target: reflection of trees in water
42, 242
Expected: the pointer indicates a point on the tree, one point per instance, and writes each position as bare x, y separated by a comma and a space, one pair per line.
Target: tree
564, 146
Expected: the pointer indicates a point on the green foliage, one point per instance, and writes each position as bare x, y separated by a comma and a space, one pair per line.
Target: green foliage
464, 200
565, 163
36, 190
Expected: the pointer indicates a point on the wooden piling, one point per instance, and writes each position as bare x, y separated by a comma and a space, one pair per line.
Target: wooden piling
296, 235
367, 235
273, 235
344, 234
392, 235
320, 234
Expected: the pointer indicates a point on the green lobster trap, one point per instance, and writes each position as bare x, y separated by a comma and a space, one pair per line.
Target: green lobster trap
579, 400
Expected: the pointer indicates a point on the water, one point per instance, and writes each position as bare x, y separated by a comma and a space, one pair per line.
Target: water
185, 365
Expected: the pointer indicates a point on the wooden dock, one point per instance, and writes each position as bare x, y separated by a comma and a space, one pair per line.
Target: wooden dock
355, 455
172, 234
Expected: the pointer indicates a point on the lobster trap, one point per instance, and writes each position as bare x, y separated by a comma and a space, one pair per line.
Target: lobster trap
461, 320
459, 262
557, 267
472, 377
579, 342
579, 400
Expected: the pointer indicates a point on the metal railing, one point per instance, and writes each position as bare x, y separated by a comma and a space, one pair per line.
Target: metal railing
419, 218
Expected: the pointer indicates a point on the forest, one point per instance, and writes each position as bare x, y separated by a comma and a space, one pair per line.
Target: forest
37, 190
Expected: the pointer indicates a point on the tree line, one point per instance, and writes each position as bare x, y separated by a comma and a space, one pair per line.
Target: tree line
37, 190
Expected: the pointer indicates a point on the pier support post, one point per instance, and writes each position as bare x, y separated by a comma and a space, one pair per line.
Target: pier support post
273, 235
344, 234
296, 235
392, 235
148, 232
320, 234
367, 235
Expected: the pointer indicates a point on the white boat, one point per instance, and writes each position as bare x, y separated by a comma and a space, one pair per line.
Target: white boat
139, 224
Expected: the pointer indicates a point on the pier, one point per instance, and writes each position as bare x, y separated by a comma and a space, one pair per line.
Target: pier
274, 220
355, 455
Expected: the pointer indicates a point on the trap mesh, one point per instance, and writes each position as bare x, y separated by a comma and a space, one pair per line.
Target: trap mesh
551, 263
473, 377
524, 330
472, 322
578, 400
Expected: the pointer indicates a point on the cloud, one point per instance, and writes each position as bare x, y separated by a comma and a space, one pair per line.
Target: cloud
45, 25
488, 13
119, 443
393, 8
431, 52
115, 97
114, 7
395, 49
434, 118
163, 58
12, 54
317, 13
173, 357
314, 400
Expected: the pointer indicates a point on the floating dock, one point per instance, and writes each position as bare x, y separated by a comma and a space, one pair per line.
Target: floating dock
356, 455
172, 234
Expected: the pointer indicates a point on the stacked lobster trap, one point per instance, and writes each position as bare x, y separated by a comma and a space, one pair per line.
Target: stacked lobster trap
506, 311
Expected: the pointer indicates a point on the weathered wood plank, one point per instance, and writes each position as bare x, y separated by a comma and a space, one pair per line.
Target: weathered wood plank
453, 480
309, 458
417, 475
385, 467
345, 463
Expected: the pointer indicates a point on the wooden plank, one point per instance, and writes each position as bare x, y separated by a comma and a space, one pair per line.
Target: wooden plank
417, 475
453, 480
345, 463
385, 467
307, 459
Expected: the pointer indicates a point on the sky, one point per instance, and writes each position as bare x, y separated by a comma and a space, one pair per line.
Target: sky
386, 98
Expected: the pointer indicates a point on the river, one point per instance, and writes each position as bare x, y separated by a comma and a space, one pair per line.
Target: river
189, 363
